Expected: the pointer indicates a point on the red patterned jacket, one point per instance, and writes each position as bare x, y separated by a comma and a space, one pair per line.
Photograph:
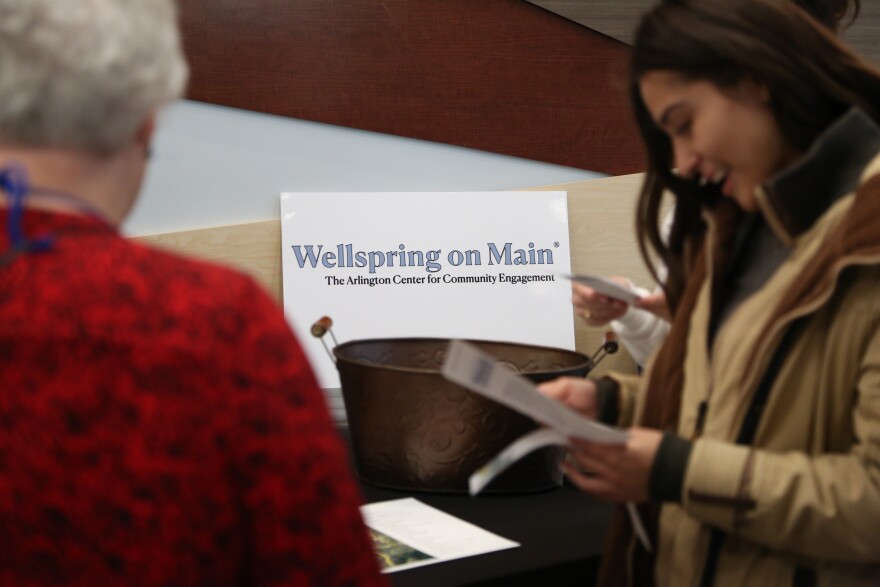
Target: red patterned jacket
159, 425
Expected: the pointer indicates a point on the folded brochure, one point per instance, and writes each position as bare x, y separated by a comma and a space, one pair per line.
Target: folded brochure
468, 366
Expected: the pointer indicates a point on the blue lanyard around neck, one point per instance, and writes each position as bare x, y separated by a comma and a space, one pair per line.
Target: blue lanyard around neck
14, 181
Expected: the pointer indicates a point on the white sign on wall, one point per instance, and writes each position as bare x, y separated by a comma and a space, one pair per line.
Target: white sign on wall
479, 265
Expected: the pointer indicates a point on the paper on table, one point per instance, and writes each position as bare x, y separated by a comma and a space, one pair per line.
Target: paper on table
470, 367
606, 287
408, 533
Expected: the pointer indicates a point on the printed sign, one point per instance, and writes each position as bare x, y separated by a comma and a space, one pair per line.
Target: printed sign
482, 265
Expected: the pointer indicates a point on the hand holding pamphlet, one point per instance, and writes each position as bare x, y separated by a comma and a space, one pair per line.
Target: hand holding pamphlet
478, 371
606, 287
470, 367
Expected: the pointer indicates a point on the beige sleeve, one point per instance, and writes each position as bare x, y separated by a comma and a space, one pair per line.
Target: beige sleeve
824, 506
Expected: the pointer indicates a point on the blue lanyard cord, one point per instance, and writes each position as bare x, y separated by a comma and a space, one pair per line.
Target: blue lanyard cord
14, 181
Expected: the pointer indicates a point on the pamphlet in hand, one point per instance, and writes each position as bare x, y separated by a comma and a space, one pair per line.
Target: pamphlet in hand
606, 287
470, 367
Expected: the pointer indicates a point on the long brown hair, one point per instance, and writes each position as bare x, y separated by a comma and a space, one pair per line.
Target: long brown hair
811, 76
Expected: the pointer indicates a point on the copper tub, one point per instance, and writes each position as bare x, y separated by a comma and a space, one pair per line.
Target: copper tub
413, 430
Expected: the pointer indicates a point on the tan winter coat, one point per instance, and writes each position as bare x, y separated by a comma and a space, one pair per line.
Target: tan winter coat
807, 492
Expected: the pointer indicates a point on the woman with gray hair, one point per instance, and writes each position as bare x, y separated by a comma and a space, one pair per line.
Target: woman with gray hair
159, 422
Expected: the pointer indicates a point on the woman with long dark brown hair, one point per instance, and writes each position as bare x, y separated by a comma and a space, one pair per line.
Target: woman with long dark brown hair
643, 326
755, 446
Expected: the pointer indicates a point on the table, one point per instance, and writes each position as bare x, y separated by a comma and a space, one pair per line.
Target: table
560, 532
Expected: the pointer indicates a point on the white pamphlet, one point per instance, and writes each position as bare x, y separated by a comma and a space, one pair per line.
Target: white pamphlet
515, 451
606, 287
470, 367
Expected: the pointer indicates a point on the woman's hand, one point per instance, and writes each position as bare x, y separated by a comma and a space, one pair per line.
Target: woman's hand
597, 309
577, 393
615, 472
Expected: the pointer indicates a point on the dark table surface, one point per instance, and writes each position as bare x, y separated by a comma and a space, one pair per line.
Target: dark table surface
560, 532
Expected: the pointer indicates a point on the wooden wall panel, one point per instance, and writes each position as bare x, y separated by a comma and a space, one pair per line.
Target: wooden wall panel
497, 75
618, 19
615, 18
864, 34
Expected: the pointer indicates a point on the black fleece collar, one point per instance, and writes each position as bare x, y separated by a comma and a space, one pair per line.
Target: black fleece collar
830, 169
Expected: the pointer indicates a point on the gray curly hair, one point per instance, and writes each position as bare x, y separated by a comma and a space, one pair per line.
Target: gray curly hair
85, 74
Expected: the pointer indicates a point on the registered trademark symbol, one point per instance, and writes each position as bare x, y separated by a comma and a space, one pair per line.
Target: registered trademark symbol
556, 244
